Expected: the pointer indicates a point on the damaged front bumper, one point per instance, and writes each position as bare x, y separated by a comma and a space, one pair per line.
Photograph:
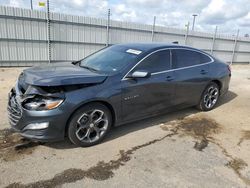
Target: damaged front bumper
46, 125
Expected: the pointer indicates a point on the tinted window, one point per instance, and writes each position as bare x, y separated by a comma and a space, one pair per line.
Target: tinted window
185, 58
158, 61
205, 58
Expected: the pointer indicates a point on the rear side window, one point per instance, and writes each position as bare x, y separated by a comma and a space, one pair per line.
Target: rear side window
184, 58
158, 61
205, 58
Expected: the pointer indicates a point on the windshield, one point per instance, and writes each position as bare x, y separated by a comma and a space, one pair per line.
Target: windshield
110, 60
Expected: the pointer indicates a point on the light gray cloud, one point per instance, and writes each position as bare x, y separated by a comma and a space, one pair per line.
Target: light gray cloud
229, 15
221, 11
245, 21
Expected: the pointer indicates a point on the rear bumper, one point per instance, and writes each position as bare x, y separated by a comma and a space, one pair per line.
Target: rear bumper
225, 84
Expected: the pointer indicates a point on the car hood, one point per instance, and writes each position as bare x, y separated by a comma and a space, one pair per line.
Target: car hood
59, 74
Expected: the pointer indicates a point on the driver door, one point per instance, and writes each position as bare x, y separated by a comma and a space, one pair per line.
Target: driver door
152, 94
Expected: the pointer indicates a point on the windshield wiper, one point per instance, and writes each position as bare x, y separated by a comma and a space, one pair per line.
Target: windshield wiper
89, 68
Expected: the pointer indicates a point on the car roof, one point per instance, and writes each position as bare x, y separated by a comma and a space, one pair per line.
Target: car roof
152, 46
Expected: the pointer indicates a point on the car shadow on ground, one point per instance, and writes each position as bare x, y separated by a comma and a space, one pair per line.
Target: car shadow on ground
125, 129
229, 96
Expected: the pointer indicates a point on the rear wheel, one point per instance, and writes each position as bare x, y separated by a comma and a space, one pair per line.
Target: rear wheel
89, 125
209, 97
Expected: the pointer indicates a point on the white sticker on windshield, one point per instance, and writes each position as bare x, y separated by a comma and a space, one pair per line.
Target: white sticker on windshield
132, 51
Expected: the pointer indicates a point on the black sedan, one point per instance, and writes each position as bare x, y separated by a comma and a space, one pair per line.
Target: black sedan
116, 85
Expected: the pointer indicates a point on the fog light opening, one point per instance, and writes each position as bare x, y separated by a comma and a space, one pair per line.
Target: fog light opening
37, 126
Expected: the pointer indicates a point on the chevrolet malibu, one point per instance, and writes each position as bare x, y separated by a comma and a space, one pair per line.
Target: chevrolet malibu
122, 83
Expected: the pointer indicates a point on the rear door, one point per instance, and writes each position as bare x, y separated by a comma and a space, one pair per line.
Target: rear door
146, 96
191, 73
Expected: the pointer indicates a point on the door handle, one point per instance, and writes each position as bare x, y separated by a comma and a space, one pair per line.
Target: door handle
203, 72
169, 78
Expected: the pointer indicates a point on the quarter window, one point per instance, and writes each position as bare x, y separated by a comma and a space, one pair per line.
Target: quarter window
185, 58
158, 61
205, 58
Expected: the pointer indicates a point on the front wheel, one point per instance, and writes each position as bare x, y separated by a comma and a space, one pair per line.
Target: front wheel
209, 97
89, 125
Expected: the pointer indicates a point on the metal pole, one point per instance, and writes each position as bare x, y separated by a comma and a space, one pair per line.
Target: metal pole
31, 4
235, 44
48, 31
108, 23
215, 33
187, 31
194, 15
153, 30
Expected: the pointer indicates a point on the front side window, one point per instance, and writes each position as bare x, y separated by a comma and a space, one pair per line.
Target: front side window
184, 58
156, 62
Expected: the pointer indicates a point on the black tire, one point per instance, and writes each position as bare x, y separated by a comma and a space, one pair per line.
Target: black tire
82, 125
206, 95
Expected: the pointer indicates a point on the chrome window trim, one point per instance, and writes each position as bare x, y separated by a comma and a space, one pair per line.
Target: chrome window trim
160, 72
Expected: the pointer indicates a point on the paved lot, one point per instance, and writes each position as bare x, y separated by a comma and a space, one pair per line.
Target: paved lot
181, 149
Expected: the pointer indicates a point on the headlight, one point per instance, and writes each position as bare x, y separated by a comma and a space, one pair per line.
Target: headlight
42, 103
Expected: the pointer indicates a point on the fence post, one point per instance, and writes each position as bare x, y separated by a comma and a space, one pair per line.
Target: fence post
214, 37
235, 44
153, 30
108, 23
48, 31
187, 31
31, 4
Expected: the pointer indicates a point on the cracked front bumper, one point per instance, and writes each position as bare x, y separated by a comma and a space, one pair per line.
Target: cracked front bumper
19, 118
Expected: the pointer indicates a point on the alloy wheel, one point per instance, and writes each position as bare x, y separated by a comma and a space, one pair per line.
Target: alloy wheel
91, 126
211, 97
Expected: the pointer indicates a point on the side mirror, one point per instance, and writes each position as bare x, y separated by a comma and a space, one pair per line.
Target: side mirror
139, 74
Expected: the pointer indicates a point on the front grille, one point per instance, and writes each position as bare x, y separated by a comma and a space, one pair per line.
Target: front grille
14, 110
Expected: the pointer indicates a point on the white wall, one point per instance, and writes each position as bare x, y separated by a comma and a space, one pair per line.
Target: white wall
23, 37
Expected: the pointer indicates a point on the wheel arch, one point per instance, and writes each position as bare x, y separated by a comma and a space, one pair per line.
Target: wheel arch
218, 83
212, 81
105, 103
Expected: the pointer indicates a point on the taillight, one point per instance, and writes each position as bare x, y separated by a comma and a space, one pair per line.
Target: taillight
229, 68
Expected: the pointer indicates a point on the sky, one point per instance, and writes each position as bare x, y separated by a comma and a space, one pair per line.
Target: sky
228, 15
